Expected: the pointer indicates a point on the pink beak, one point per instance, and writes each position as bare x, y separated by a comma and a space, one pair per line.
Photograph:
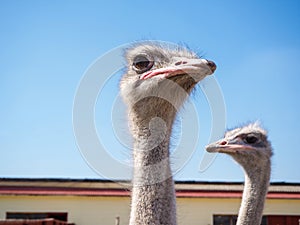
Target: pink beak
183, 66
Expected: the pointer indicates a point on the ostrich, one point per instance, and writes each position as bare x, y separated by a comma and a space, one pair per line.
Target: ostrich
249, 147
157, 81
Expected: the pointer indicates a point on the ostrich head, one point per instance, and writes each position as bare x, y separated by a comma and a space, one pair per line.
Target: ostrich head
160, 71
248, 145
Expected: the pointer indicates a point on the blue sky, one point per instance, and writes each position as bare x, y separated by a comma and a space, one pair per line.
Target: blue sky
47, 46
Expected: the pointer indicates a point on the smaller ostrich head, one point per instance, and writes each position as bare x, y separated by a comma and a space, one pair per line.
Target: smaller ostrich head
161, 71
248, 145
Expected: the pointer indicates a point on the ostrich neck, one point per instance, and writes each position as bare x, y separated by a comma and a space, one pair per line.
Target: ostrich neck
257, 180
153, 193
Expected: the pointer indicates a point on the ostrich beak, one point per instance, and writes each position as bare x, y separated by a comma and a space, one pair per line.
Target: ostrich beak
193, 67
224, 146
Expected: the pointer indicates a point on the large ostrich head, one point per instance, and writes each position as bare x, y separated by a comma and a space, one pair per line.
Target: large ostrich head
162, 71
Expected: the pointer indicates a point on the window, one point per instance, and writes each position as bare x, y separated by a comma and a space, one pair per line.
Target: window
231, 220
283, 220
266, 220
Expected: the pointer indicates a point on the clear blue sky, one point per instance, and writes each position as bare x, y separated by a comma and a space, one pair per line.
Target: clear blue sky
46, 46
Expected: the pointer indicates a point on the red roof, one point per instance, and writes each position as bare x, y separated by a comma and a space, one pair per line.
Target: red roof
60, 191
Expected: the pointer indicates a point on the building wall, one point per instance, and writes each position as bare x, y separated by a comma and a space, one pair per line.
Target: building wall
81, 210
103, 210
201, 210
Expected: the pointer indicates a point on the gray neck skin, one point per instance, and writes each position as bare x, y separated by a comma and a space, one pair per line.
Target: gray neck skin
153, 193
257, 178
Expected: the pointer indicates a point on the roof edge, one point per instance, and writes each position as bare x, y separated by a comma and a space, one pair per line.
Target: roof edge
95, 180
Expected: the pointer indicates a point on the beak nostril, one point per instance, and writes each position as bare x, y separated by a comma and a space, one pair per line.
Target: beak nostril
180, 63
223, 143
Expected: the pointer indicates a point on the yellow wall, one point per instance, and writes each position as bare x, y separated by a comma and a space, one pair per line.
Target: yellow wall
201, 210
103, 210
81, 210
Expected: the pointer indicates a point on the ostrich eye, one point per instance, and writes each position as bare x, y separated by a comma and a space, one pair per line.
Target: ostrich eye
142, 64
250, 139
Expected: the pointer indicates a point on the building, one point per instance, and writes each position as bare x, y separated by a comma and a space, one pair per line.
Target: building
97, 202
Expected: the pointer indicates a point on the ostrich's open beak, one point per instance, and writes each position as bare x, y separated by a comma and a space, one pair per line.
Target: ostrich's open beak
223, 146
183, 66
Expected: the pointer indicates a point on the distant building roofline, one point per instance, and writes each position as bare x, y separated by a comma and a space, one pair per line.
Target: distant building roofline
121, 188
96, 180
